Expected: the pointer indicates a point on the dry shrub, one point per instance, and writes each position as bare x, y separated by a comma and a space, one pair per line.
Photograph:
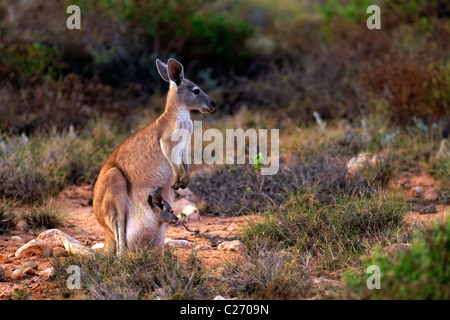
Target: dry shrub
411, 86
239, 189
60, 103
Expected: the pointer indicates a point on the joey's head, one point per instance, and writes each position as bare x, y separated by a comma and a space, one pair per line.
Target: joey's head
188, 94
166, 213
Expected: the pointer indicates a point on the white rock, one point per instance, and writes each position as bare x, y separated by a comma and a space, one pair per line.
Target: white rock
220, 298
98, 246
191, 213
47, 273
177, 243
180, 204
17, 238
235, 245
34, 247
74, 247
362, 161
53, 237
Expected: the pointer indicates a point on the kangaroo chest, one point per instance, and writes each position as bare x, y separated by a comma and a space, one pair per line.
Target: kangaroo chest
184, 121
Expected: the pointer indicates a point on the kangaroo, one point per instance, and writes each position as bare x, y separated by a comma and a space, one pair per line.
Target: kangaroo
143, 165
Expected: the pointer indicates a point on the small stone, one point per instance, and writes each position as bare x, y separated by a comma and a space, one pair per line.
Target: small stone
4, 259
430, 195
17, 275
416, 191
203, 247
220, 298
8, 273
30, 265
16, 238
34, 248
60, 252
12, 255
190, 213
29, 271
177, 243
235, 245
2, 274
47, 273
5, 295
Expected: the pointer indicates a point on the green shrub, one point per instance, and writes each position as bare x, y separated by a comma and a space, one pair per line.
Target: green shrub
8, 218
335, 233
21, 63
44, 216
422, 272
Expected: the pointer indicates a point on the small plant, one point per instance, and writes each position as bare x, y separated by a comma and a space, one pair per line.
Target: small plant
265, 274
21, 293
258, 161
45, 216
422, 272
8, 219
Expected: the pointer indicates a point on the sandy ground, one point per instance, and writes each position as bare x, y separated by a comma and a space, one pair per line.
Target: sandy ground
82, 225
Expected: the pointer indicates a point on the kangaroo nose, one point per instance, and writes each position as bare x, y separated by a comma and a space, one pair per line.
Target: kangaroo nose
213, 103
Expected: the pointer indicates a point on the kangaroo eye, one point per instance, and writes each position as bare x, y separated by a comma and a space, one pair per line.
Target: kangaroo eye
196, 91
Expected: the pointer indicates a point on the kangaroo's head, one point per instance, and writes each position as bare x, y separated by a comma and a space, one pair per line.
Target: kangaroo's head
188, 94
166, 214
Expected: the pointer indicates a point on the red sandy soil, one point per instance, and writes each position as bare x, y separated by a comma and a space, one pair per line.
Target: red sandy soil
83, 226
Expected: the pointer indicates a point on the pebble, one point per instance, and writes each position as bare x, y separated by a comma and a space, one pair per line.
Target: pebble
47, 273
4, 259
31, 265
17, 275
416, 191
29, 271
177, 243
235, 245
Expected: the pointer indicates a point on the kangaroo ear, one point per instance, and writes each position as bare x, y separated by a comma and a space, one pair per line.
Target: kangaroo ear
155, 201
162, 69
175, 71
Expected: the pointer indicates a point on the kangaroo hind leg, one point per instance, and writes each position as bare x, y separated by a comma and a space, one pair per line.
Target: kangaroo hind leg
114, 204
